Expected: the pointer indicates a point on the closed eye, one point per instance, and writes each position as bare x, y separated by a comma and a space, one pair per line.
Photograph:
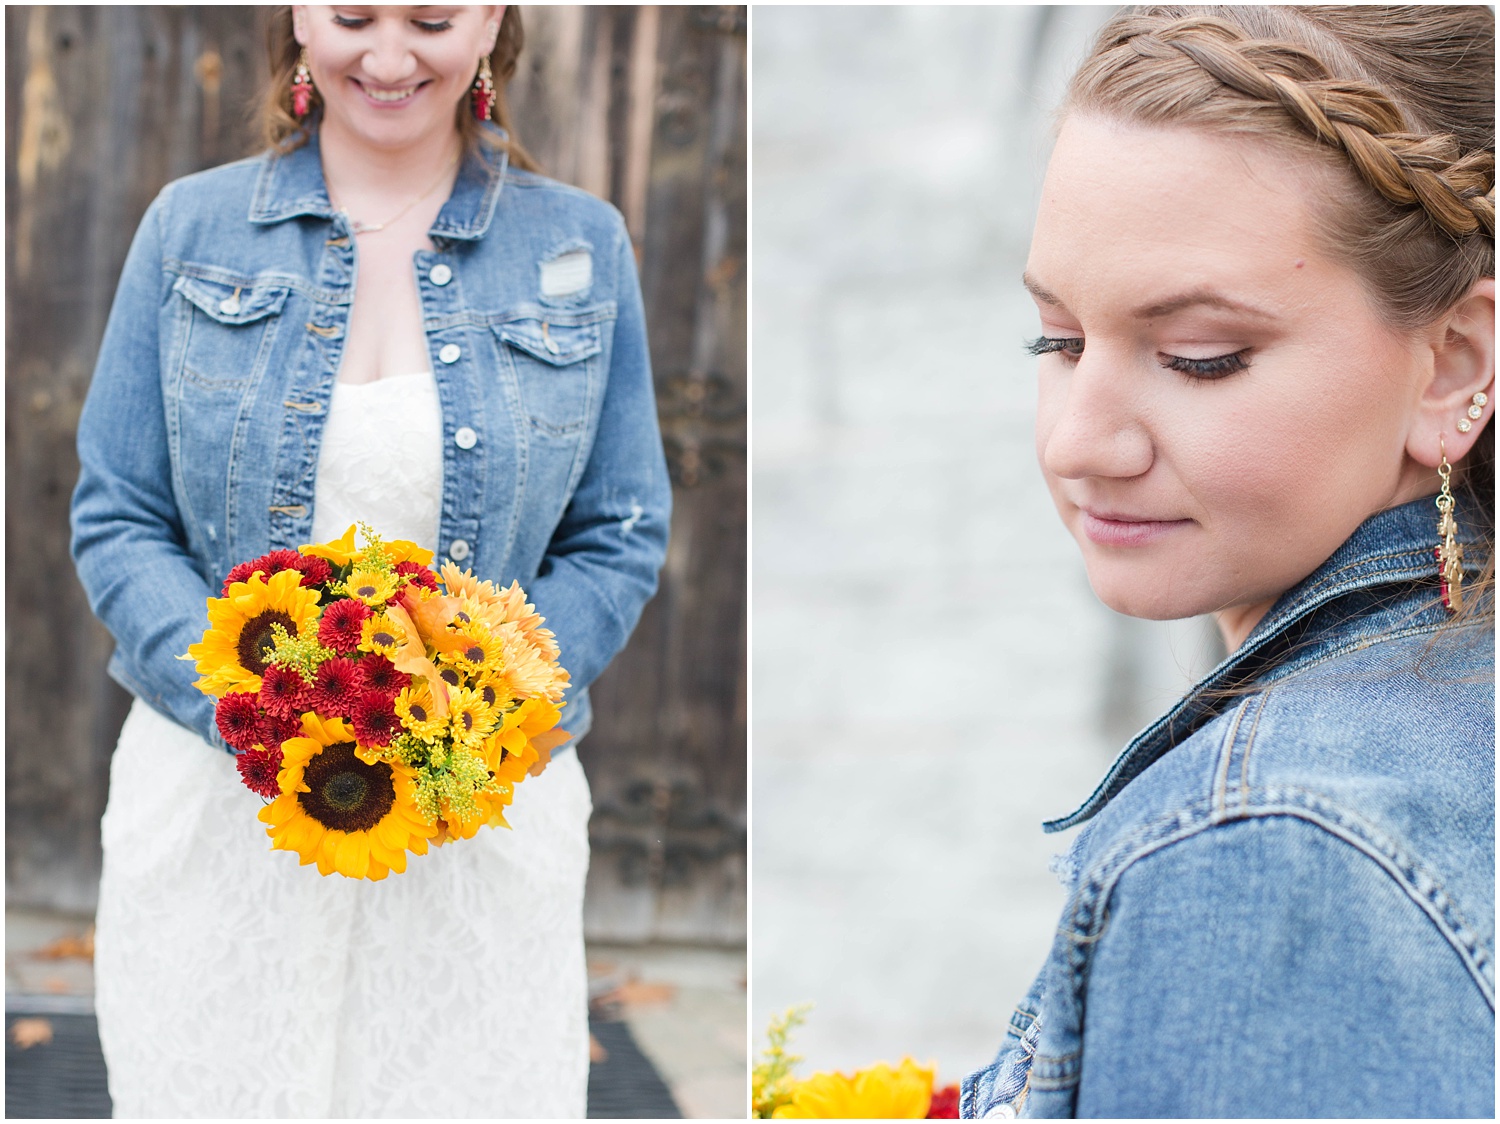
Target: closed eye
1215, 367
1046, 345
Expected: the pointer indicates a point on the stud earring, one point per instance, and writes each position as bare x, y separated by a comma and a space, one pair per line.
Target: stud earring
1449, 551
1475, 412
302, 87
483, 93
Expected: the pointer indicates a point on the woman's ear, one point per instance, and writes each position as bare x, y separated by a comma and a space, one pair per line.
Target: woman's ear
1462, 347
299, 24
492, 26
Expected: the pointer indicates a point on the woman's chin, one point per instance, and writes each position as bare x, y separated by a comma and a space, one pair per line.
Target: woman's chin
1150, 596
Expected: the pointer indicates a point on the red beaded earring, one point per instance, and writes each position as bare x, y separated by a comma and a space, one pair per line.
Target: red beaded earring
302, 87
483, 94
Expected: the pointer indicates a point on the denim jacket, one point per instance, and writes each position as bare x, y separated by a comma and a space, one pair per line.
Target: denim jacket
199, 438
1282, 903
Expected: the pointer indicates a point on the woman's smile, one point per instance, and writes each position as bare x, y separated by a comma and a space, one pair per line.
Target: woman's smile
1104, 527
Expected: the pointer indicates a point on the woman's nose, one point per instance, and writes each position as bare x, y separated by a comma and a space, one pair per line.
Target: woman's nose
389, 58
1091, 425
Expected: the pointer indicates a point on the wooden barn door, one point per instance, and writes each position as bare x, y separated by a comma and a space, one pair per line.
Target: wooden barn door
642, 106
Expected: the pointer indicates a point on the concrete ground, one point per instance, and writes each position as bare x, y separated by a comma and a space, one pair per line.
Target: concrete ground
685, 1006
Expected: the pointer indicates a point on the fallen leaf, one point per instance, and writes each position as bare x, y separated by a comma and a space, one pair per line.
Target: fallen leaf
634, 993
597, 1052
70, 947
27, 1033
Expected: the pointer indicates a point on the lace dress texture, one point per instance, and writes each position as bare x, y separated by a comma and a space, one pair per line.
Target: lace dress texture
233, 982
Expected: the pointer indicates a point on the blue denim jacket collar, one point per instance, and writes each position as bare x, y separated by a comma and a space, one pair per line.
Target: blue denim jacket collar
1393, 546
291, 185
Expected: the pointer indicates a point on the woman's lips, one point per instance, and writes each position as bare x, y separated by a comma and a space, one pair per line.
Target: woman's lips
386, 97
1116, 529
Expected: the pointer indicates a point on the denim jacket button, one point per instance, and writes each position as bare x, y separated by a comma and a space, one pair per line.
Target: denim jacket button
440, 274
450, 353
465, 438
459, 550
230, 305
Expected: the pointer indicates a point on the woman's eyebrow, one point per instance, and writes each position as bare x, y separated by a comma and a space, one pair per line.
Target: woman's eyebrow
1156, 309
1206, 297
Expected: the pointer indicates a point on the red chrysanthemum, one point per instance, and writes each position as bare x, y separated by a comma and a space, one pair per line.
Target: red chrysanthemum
420, 575
258, 769
336, 687
276, 728
240, 573
265, 565
238, 718
315, 571
944, 1104
339, 629
374, 719
380, 675
283, 691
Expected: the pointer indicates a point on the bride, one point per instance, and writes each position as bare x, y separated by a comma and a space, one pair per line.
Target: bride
389, 317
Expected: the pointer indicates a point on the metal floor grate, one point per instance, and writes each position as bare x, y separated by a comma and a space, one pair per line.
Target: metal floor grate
64, 1078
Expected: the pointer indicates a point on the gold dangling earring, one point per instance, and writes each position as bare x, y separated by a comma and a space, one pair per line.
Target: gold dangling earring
1449, 552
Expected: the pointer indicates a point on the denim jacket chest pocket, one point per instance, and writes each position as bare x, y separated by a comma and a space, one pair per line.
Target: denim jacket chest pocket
226, 331
557, 361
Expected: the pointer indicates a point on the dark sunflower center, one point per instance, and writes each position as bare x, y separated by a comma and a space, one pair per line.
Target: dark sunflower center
468, 720
488, 694
449, 676
382, 638
463, 616
344, 793
474, 654
367, 591
257, 641
419, 713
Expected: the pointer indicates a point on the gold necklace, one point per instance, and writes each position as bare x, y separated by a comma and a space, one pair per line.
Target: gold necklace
370, 228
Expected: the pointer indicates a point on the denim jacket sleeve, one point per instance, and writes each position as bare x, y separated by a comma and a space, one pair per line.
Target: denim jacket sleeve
1309, 962
601, 564
128, 540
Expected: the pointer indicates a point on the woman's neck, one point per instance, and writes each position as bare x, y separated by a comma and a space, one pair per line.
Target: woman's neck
364, 178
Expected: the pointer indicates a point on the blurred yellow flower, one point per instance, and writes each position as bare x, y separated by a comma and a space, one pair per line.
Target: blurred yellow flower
880, 1092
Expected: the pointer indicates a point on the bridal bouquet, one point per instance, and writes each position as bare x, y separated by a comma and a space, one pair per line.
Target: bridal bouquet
905, 1092
376, 707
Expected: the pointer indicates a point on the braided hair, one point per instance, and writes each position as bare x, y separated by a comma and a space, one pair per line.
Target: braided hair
1394, 104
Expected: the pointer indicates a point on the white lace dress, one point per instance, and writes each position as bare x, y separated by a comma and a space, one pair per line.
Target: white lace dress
233, 982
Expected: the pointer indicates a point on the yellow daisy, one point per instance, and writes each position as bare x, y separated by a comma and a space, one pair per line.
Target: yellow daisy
380, 634
346, 814
232, 654
479, 653
418, 712
372, 586
470, 719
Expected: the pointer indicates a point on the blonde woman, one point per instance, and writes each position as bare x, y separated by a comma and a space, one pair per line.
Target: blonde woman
387, 316
1263, 267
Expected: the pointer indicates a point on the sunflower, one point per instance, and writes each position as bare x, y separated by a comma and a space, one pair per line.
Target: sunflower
903, 1093
343, 813
340, 551
232, 654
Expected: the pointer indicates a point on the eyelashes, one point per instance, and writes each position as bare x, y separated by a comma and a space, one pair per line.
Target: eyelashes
356, 22
1214, 367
